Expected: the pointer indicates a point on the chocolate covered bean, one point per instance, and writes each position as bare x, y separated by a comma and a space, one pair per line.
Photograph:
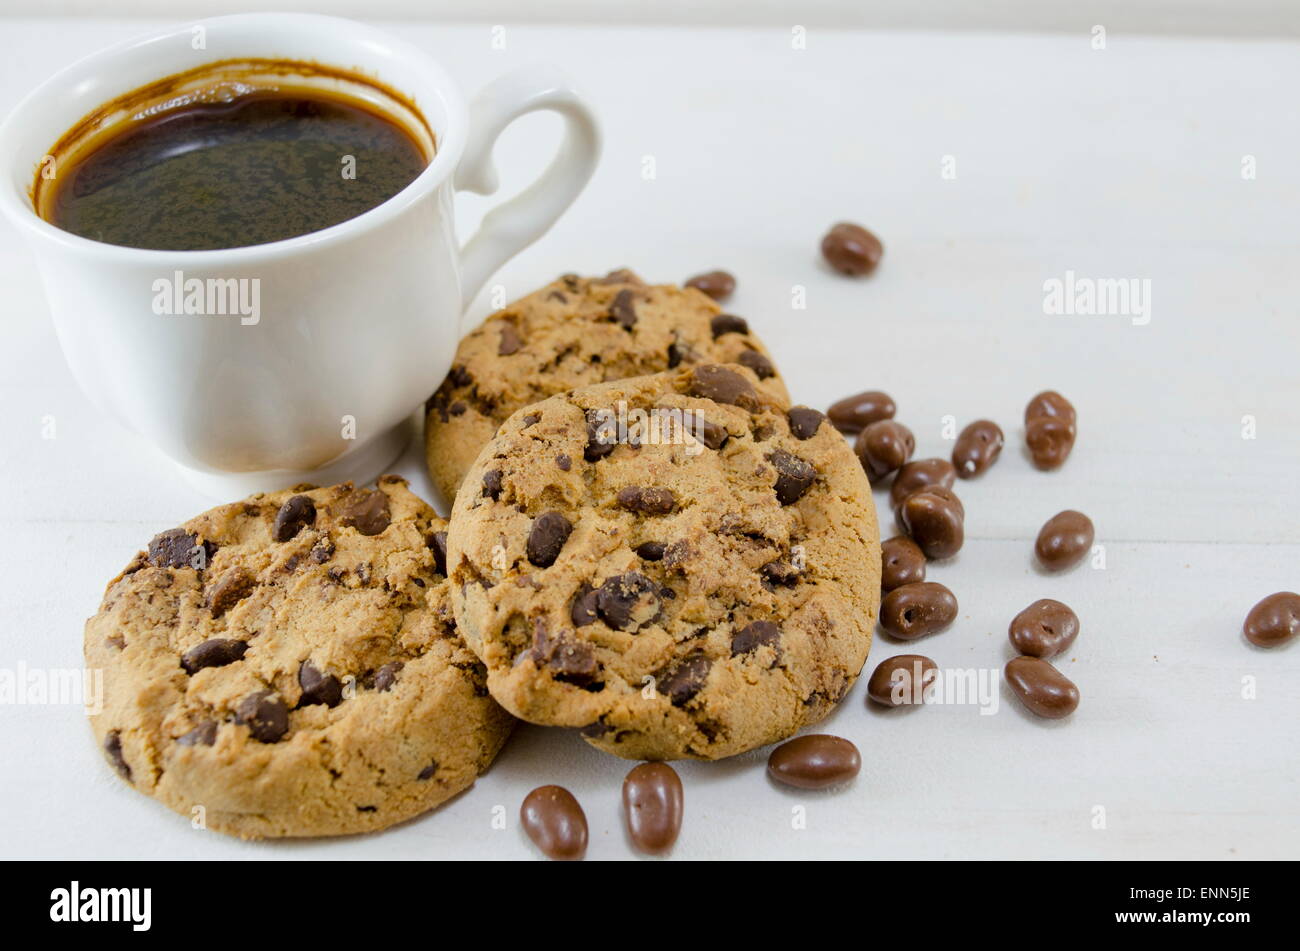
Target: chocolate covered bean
1050, 440
1050, 403
1051, 425
902, 680
716, 284
919, 474
978, 446
652, 807
555, 822
935, 519
917, 609
1273, 621
883, 447
852, 249
1044, 629
1064, 540
814, 761
901, 562
855, 413
1042, 688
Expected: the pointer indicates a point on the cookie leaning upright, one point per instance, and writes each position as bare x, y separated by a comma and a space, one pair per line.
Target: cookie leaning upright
699, 582
290, 664
575, 332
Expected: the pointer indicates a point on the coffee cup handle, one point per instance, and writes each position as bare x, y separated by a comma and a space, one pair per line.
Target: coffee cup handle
509, 228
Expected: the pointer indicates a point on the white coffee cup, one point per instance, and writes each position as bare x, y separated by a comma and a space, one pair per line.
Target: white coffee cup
355, 325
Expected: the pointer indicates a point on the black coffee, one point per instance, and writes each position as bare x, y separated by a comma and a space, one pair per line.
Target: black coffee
262, 167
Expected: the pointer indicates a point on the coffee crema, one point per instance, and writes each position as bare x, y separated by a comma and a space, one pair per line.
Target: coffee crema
237, 162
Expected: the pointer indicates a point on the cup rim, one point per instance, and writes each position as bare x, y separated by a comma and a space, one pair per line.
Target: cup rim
449, 146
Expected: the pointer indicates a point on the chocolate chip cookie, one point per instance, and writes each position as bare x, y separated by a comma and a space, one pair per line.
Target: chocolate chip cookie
289, 666
677, 564
576, 332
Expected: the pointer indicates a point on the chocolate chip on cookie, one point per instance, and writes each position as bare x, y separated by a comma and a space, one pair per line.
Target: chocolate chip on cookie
205, 734
566, 658
113, 747
601, 438
620, 275
231, 588
723, 386
780, 572
728, 324
386, 676
294, 515
651, 551
215, 652
683, 682
677, 353
492, 484
647, 500
438, 545
584, 609
177, 548
626, 602
366, 511
322, 551
510, 340
711, 434
547, 537
758, 362
753, 636
804, 422
318, 687
794, 476
265, 715
623, 310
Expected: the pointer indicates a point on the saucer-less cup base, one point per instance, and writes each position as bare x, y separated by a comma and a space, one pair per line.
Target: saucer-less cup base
361, 465
355, 325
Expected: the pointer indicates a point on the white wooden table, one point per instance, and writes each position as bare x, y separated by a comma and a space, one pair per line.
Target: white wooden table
1122, 163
